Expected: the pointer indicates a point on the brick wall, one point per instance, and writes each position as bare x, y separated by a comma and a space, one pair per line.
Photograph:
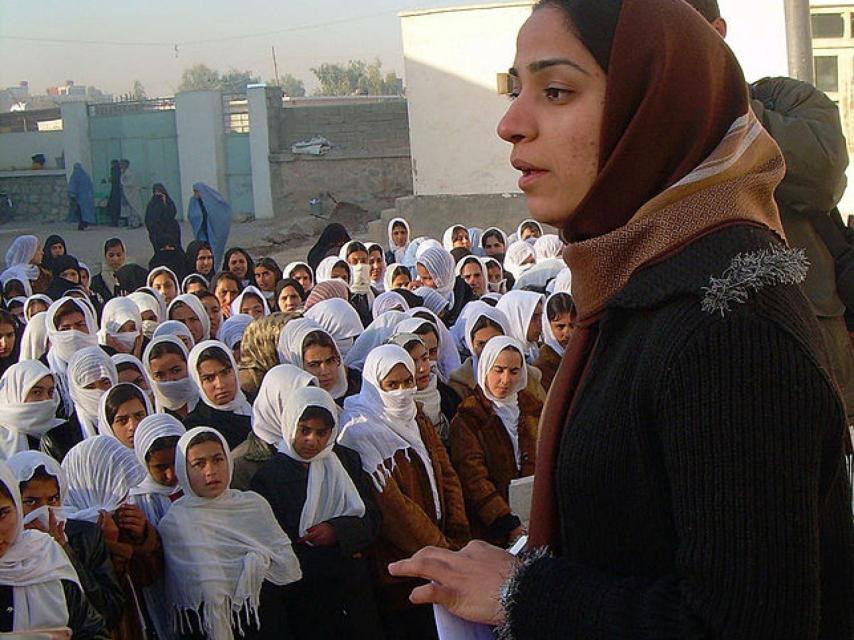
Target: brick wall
39, 198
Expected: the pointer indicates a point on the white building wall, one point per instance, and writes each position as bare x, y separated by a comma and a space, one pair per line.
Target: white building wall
75, 124
201, 140
17, 149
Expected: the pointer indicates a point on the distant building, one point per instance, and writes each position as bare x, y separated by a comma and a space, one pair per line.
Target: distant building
833, 54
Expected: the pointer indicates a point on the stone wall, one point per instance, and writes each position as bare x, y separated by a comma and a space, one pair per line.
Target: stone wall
369, 164
37, 197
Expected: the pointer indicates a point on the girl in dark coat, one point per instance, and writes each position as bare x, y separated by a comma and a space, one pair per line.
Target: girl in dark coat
322, 499
163, 229
333, 237
199, 259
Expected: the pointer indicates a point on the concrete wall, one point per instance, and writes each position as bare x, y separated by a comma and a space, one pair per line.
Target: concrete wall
76, 144
369, 164
201, 144
238, 170
37, 196
17, 149
451, 59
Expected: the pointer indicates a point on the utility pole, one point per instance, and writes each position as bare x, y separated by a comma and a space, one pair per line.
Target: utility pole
799, 40
275, 67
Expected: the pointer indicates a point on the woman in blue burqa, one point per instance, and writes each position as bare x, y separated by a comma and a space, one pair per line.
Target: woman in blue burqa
81, 197
210, 216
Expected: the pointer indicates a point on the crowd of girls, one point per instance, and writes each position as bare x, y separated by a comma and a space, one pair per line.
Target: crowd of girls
228, 447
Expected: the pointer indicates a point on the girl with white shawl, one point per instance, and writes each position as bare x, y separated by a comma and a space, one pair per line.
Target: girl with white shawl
91, 373
223, 405
448, 358
120, 412
68, 340
519, 258
456, 237
22, 253
220, 545
322, 500
524, 311
388, 301
38, 583
34, 339
152, 309
332, 267
326, 364
301, 272
165, 282
188, 309
35, 304
340, 320
155, 445
250, 301
437, 270
174, 390
398, 240
121, 326
175, 329
22, 418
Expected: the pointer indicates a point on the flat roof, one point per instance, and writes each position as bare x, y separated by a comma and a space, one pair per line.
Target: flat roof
468, 7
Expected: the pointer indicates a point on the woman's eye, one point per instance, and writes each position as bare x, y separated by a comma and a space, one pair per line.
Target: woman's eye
553, 93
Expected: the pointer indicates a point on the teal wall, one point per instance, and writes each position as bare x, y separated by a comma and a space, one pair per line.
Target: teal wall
238, 173
149, 140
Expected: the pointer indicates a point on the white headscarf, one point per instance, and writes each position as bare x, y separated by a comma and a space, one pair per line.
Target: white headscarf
64, 344
388, 301
548, 247
462, 262
235, 304
449, 357
525, 222
494, 314
124, 358
174, 394
101, 471
219, 551
36, 297
517, 254
548, 335
330, 492
378, 424
196, 306
231, 331
275, 392
156, 272
145, 302
339, 319
429, 397
190, 279
432, 299
399, 252
19, 419
87, 366
519, 307
20, 254
448, 236
287, 272
324, 270
19, 273
149, 495
116, 313
378, 285
175, 329
34, 339
374, 335
239, 404
458, 331
563, 281
290, 349
499, 287
105, 428
388, 276
424, 243
505, 408
34, 566
440, 265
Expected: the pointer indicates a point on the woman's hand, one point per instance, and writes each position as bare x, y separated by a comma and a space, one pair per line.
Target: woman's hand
467, 582
132, 519
320, 535
109, 528
56, 529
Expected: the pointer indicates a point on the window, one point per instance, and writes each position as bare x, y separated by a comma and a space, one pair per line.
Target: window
828, 25
827, 73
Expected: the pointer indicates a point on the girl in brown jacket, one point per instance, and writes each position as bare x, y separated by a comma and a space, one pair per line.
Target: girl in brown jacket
494, 440
556, 333
416, 487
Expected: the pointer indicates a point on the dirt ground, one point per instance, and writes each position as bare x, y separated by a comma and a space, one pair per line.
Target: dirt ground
260, 238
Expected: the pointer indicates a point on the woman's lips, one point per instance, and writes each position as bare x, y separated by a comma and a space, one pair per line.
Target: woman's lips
529, 177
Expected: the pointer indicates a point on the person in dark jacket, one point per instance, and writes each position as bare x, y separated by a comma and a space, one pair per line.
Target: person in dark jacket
199, 259
40, 479
160, 220
322, 500
332, 238
114, 202
223, 405
36, 576
805, 123
690, 476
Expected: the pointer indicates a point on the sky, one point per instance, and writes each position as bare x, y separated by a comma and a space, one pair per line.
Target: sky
110, 44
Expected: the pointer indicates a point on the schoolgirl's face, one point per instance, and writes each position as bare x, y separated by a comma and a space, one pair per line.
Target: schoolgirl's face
399, 234
168, 368
265, 278
424, 276
401, 281
41, 390
303, 277
36, 306
472, 273
535, 326
496, 273
398, 378
461, 238
375, 259
493, 245
57, 250
204, 261
207, 469
195, 286
555, 118
289, 300
480, 337
115, 256
421, 357
72, 275
165, 286
252, 305
219, 381
341, 272
214, 311
357, 257
185, 315
226, 292
311, 437
38, 493
127, 419
7, 340
8, 524
161, 466
505, 373
322, 362
562, 329
238, 264
134, 376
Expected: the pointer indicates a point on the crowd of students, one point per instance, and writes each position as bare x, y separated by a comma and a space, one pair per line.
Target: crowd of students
201, 453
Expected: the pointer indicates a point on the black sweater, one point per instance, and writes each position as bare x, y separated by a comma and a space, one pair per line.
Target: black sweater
700, 481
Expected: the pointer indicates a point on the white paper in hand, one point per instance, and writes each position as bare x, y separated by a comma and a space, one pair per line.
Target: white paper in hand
521, 493
450, 627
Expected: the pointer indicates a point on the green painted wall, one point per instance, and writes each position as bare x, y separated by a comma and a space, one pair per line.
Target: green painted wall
238, 172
